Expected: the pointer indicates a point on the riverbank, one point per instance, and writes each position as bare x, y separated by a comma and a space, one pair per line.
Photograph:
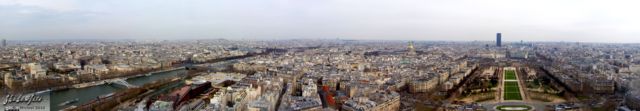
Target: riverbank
100, 82
91, 93
109, 102
133, 93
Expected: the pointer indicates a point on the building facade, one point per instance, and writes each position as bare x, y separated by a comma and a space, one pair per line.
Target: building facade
499, 39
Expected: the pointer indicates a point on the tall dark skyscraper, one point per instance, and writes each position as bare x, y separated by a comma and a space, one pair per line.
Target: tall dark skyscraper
499, 40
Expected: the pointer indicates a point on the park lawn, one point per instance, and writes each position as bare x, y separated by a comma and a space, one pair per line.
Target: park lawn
512, 91
510, 84
510, 75
512, 96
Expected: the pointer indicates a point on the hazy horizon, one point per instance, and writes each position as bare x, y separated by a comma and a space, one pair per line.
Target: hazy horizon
419, 20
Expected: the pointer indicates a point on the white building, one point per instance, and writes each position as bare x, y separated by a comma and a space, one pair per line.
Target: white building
310, 89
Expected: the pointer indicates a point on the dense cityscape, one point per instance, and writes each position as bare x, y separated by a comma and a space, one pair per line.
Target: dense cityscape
319, 55
323, 75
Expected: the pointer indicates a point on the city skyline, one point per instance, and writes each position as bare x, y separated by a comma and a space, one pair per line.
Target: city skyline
584, 21
321, 74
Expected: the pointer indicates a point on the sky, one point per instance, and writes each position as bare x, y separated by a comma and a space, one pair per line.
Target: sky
615, 21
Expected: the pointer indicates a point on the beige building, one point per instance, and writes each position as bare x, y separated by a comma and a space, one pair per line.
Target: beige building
13, 82
603, 85
379, 101
422, 85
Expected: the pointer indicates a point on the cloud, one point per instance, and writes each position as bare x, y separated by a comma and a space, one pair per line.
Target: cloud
528, 20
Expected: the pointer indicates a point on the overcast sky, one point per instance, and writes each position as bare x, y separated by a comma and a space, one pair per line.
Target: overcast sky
456, 20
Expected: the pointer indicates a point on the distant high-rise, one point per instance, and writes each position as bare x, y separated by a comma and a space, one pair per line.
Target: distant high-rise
4, 42
499, 40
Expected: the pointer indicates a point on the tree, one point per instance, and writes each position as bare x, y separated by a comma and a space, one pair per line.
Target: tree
83, 63
494, 81
105, 61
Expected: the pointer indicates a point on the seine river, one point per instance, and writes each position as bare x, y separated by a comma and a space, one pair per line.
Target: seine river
87, 94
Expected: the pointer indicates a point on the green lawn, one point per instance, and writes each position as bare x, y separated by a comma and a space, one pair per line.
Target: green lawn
511, 83
512, 96
511, 91
510, 75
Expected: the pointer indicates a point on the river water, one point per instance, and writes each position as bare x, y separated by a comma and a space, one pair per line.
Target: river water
87, 94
